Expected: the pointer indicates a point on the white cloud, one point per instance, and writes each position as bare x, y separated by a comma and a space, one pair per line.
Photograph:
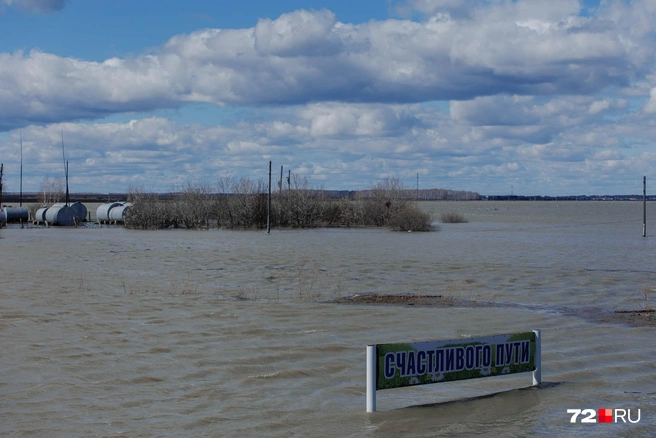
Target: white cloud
514, 48
37, 5
650, 106
300, 33
537, 95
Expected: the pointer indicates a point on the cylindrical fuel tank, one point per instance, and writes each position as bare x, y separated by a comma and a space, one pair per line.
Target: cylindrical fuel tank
102, 213
60, 214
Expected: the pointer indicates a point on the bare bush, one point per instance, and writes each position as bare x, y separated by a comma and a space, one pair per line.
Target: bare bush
351, 213
193, 206
148, 211
411, 218
242, 203
383, 201
453, 217
51, 192
302, 206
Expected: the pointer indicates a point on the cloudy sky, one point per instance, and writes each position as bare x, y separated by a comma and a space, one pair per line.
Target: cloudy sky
531, 97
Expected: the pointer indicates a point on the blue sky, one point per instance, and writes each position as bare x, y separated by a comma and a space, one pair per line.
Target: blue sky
541, 97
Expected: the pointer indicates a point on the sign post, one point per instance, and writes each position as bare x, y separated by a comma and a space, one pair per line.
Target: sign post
408, 364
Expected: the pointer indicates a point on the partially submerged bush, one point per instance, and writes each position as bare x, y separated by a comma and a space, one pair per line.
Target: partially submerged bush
148, 211
411, 219
242, 204
453, 217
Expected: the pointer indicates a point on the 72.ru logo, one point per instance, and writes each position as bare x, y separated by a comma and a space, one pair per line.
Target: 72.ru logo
605, 415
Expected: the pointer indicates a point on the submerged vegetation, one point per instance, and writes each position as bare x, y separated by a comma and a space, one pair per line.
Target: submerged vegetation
243, 204
452, 217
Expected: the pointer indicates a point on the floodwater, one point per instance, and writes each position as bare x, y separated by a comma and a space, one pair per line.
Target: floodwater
108, 332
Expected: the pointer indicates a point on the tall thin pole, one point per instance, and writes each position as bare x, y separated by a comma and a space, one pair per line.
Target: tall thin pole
644, 206
417, 186
2, 168
65, 169
63, 153
280, 183
68, 197
21, 169
269, 203
21, 176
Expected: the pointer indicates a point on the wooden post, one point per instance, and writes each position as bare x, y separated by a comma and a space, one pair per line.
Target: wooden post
21, 174
21, 171
2, 168
644, 206
269, 203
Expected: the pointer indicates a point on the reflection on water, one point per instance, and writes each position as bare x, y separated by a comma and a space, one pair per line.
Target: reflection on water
112, 332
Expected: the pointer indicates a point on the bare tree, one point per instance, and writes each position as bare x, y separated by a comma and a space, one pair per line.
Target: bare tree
383, 201
52, 191
148, 211
193, 205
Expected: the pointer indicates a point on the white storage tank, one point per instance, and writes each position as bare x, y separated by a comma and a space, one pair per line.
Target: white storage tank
61, 214
117, 214
102, 213
40, 215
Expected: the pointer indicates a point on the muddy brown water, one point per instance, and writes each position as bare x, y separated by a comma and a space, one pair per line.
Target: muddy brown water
112, 332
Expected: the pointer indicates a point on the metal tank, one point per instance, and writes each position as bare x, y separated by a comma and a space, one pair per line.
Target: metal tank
80, 212
16, 214
61, 214
40, 215
117, 214
102, 213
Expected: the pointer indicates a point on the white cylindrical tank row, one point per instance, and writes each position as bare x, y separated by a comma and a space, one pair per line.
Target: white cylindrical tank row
112, 212
62, 214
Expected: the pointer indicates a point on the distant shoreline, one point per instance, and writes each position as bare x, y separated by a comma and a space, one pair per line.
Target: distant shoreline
32, 197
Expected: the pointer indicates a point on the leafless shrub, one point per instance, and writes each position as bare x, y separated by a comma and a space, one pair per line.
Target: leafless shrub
51, 191
303, 206
411, 218
193, 205
148, 211
242, 203
351, 213
383, 201
453, 217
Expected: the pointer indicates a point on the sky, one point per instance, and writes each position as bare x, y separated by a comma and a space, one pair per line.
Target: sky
523, 97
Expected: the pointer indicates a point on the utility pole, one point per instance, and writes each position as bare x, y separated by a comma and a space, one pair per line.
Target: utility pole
21, 170
644, 206
269, 203
21, 177
2, 168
